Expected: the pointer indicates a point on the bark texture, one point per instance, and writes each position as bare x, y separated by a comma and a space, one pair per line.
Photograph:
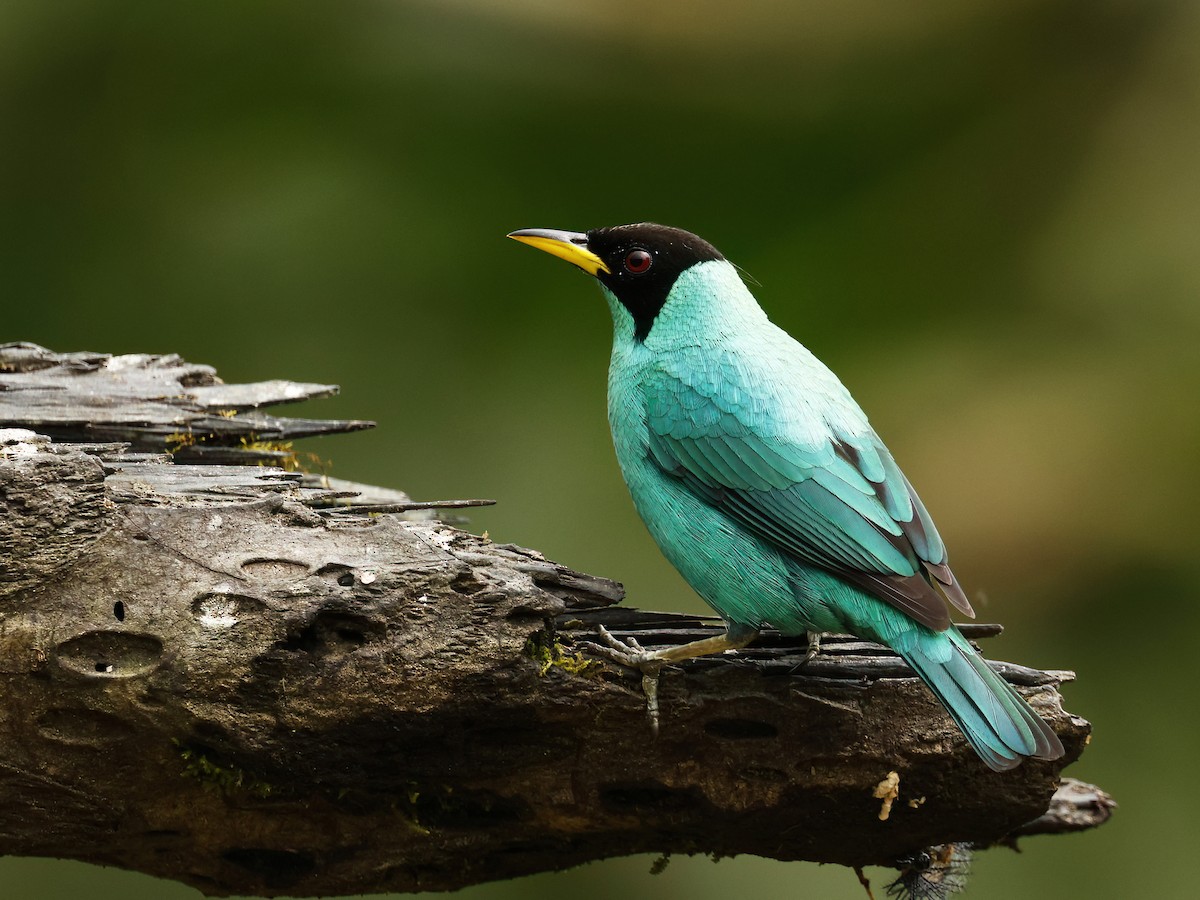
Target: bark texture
263, 682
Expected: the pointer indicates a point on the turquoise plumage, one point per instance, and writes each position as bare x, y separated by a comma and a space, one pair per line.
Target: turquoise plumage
764, 484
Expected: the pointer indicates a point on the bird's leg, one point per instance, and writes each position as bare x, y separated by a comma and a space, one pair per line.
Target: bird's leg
650, 662
814, 647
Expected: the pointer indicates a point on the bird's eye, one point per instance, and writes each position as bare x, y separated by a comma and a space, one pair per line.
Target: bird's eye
638, 261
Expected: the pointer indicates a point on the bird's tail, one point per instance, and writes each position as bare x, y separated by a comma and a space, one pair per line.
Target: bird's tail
1000, 725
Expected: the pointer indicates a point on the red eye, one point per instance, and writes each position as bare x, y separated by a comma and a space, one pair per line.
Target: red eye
638, 261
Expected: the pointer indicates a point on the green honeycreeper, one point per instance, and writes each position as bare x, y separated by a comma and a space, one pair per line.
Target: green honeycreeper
765, 486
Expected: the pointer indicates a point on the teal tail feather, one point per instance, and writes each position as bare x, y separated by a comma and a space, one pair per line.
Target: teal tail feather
1000, 725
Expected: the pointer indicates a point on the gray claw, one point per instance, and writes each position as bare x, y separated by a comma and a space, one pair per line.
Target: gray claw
627, 653
630, 653
620, 657
814, 648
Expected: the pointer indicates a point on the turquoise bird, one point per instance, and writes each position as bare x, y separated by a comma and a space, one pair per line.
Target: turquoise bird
764, 484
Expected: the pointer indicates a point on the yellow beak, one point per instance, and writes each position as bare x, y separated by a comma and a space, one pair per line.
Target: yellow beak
568, 245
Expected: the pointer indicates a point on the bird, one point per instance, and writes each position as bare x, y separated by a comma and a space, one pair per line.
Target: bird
763, 483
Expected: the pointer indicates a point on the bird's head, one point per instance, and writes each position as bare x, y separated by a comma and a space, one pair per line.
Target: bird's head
638, 264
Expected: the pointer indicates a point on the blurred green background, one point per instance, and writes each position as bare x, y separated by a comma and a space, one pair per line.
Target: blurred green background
983, 216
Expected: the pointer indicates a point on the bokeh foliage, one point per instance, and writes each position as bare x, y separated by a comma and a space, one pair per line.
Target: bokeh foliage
983, 216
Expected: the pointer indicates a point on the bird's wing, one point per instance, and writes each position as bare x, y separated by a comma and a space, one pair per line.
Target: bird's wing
803, 471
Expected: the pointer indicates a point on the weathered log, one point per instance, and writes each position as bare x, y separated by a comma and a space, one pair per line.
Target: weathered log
261, 682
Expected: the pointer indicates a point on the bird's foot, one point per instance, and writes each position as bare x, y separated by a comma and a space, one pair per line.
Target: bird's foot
814, 647
650, 662
632, 654
626, 653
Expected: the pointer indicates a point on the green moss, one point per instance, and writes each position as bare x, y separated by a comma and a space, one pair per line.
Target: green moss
286, 456
408, 810
179, 440
546, 650
228, 779
289, 459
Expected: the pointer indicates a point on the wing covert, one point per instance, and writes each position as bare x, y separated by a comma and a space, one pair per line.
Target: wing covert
826, 492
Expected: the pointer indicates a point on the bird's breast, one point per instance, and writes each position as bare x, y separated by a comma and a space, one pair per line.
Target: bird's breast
627, 416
